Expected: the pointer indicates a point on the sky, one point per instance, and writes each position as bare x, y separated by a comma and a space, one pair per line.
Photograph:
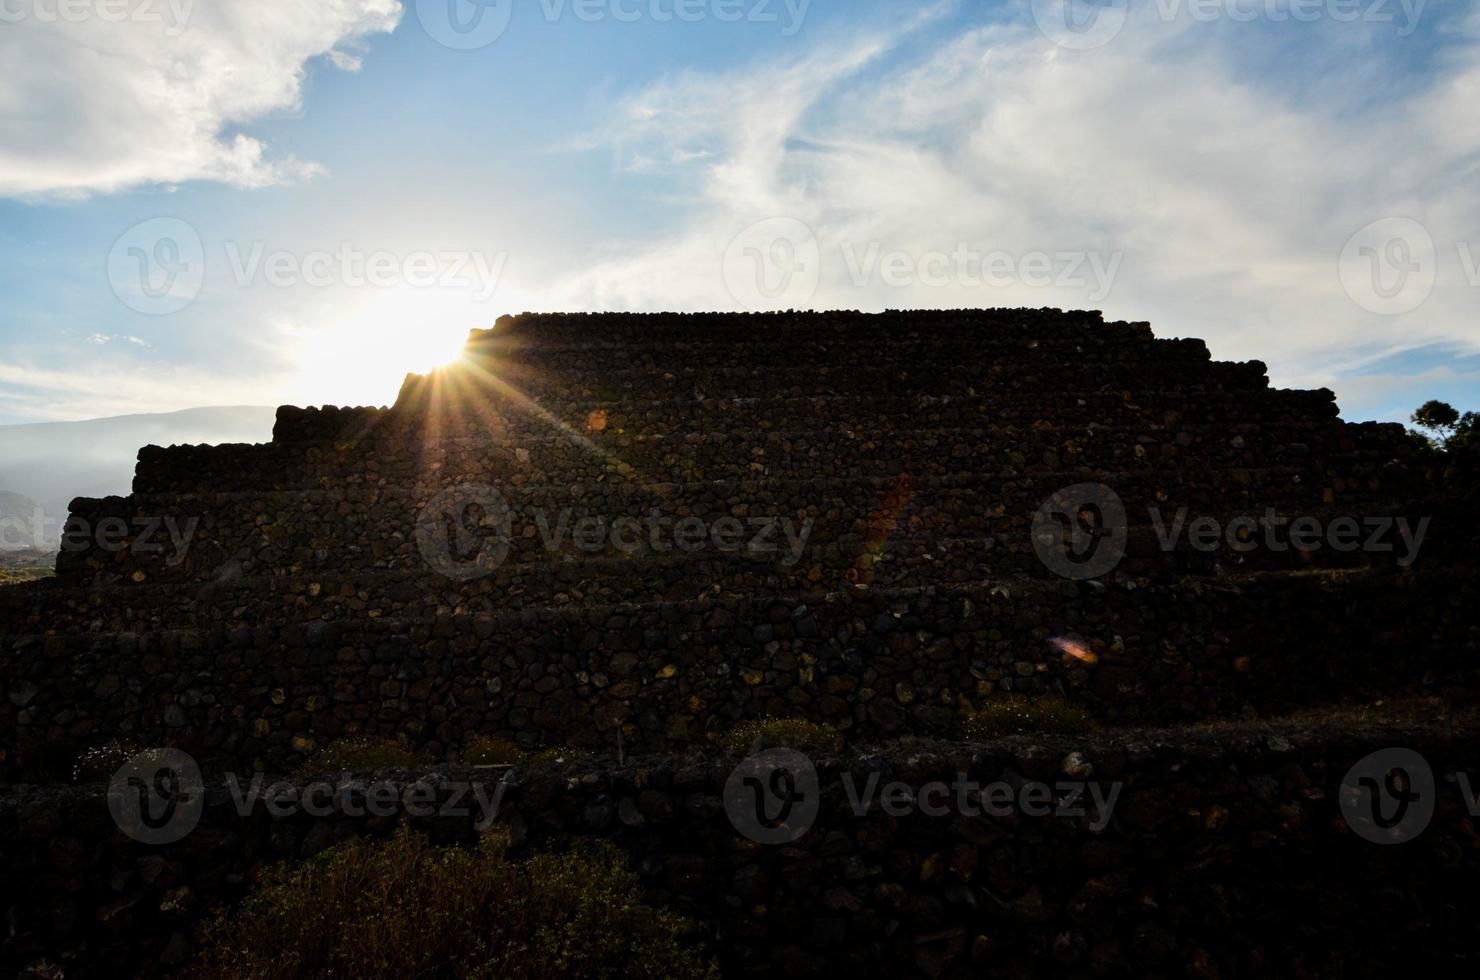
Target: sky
259, 202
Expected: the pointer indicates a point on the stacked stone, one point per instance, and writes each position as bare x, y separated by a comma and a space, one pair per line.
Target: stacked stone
915, 449
1226, 857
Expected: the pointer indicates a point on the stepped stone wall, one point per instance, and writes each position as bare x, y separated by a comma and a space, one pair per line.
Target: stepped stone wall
908, 454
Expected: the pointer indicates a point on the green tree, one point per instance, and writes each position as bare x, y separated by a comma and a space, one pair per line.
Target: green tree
1447, 427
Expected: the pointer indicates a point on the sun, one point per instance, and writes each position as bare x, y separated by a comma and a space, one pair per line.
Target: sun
363, 357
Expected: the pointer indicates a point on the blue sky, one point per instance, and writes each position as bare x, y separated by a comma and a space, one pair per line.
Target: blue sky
1299, 190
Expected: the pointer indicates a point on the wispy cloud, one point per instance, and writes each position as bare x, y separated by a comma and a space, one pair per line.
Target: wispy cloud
1227, 195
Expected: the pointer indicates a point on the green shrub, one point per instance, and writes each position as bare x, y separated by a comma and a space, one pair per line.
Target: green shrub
362, 753
1014, 714
788, 733
558, 753
484, 751
13, 576
402, 908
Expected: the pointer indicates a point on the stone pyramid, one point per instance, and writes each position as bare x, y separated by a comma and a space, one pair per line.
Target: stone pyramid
663, 525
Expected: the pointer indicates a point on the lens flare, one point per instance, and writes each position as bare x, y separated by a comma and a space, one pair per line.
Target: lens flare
1074, 648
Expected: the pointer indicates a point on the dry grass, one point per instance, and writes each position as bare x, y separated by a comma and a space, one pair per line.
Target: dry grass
1407, 711
12, 576
362, 753
26, 565
789, 733
1014, 714
403, 908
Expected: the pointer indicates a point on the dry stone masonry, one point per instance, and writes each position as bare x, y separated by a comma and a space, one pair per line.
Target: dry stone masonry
618, 537
858, 494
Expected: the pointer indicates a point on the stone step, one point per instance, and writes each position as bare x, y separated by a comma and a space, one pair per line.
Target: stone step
781, 327
1204, 475
1031, 404
913, 347
879, 661
916, 354
555, 457
728, 379
213, 534
532, 575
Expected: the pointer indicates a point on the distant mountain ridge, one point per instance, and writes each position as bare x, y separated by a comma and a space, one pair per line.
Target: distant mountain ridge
44, 465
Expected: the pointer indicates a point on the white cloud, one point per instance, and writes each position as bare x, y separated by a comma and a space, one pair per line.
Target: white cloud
95, 105
1228, 196
108, 338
